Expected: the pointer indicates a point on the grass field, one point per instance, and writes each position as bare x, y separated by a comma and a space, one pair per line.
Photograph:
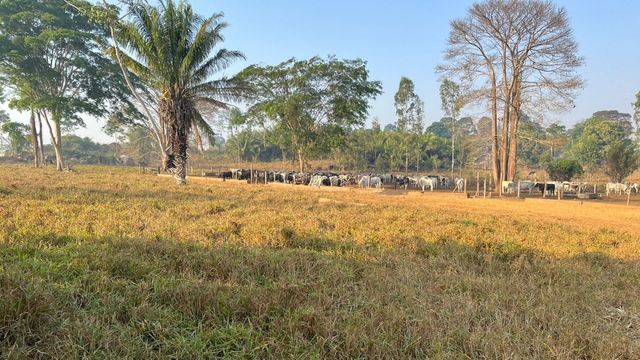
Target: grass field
109, 263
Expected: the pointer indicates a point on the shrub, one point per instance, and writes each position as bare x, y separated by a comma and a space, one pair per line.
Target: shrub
563, 169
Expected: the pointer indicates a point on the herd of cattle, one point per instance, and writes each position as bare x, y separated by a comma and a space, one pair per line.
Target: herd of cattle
423, 183
430, 182
551, 187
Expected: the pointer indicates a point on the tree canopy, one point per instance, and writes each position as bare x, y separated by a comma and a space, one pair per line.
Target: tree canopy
307, 97
51, 57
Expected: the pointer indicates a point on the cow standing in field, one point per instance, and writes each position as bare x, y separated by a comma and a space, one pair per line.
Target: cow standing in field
459, 185
617, 188
426, 181
401, 181
370, 181
550, 187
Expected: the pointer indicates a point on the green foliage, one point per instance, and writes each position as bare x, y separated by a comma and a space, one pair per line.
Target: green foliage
409, 108
176, 52
562, 169
591, 137
17, 135
305, 96
451, 98
621, 159
52, 58
441, 128
81, 150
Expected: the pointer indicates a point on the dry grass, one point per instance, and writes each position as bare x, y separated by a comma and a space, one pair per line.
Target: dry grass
109, 263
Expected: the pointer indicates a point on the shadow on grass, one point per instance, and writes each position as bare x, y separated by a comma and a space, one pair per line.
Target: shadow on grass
311, 296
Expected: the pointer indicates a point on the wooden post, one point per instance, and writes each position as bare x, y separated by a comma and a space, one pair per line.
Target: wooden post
544, 188
484, 194
559, 191
594, 188
477, 184
251, 175
518, 192
465, 188
628, 196
265, 177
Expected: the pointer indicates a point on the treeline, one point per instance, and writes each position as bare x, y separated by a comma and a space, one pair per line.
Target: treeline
61, 60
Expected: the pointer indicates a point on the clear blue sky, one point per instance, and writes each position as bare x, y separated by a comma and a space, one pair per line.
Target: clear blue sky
407, 37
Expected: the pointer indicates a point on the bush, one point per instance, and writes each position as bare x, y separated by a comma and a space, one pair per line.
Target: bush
563, 169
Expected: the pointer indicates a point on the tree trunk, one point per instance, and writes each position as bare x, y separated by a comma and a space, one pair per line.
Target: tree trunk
495, 162
34, 139
176, 113
301, 160
40, 140
453, 145
55, 138
513, 135
506, 121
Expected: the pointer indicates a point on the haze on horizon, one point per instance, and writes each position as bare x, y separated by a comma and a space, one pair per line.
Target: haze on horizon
407, 38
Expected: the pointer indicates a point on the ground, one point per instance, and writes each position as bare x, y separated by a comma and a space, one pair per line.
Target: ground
109, 263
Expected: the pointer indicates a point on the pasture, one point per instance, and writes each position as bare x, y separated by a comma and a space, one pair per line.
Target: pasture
107, 262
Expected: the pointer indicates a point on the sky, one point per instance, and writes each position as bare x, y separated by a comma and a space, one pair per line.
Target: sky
408, 37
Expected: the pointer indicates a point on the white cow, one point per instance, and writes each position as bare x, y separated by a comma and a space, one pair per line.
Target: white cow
425, 181
616, 188
459, 185
370, 181
317, 180
509, 187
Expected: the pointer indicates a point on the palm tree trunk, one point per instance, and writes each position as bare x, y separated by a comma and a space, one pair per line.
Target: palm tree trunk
177, 113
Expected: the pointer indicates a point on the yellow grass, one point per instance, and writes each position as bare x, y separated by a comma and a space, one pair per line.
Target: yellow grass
106, 262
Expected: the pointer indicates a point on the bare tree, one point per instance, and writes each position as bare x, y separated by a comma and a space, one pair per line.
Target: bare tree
514, 55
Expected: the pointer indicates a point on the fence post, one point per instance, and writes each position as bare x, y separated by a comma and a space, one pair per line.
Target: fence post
251, 175
465, 188
559, 191
518, 189
628, 196
484, 194
544, 189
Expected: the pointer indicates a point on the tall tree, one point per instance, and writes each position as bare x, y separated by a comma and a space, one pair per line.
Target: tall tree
52, 59
171, 49
306, 96
410, 118
451, 103
518, 55
621, 160
591, 138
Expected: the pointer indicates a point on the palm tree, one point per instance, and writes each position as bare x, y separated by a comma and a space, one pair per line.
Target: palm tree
172, 50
